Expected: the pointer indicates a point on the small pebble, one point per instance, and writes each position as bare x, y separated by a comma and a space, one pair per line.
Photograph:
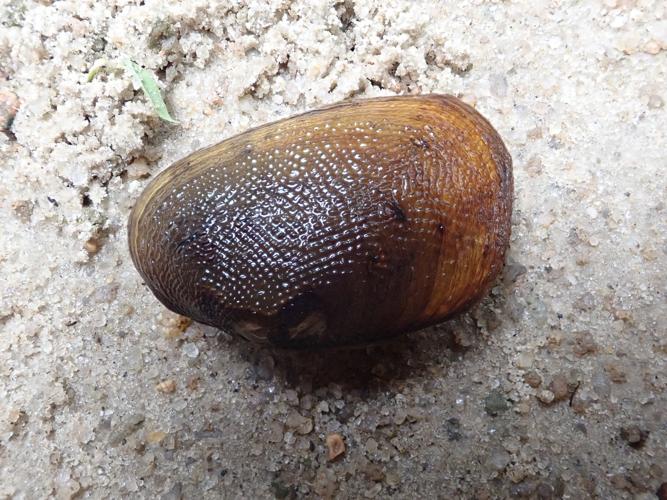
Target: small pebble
469, 99
335, 446
325, 483
498, 459
276, 432
517, 473
92, 246
546, 490
307, 402
23, 210
559, 387
581, 401
265, 368
174, 325
524, 489
400, 416
601, 384
374, 491
292, 397
522, 407
622, 314
193, 383
453, 428
105, 293
495, 403
280, 490
584, 344
302, 425
655, 101
125, 428
174, 493
525, 360
586, 302
155, 437
618, 21
615, 372
592, 212
535, 167
533, 379
9, 106
190, 350
512, 272
634, 436
511, 444
14, 416
336, 390
374, 472
166, 386
392, 478
652, 47
138, 169
546, 397
68, 489
498, 85
371, 445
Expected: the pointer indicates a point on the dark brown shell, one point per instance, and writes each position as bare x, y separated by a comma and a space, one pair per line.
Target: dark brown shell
345, 225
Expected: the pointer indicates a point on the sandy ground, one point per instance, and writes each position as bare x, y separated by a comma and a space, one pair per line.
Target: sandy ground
554, 386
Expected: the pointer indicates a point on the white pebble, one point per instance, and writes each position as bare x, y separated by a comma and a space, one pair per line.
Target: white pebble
190, 350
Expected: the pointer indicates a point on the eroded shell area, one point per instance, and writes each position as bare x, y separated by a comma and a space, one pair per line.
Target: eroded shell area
339, 226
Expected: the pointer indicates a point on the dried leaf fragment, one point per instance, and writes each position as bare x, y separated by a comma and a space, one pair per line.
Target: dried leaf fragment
149, 86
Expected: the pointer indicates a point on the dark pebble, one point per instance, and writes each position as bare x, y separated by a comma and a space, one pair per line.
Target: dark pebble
495, 403
634, 436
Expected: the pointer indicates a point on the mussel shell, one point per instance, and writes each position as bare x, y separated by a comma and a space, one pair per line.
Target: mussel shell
344, 225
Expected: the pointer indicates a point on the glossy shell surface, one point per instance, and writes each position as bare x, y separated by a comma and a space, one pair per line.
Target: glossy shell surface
344, 225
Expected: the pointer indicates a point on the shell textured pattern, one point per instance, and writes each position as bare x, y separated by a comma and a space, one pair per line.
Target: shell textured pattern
343, 225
